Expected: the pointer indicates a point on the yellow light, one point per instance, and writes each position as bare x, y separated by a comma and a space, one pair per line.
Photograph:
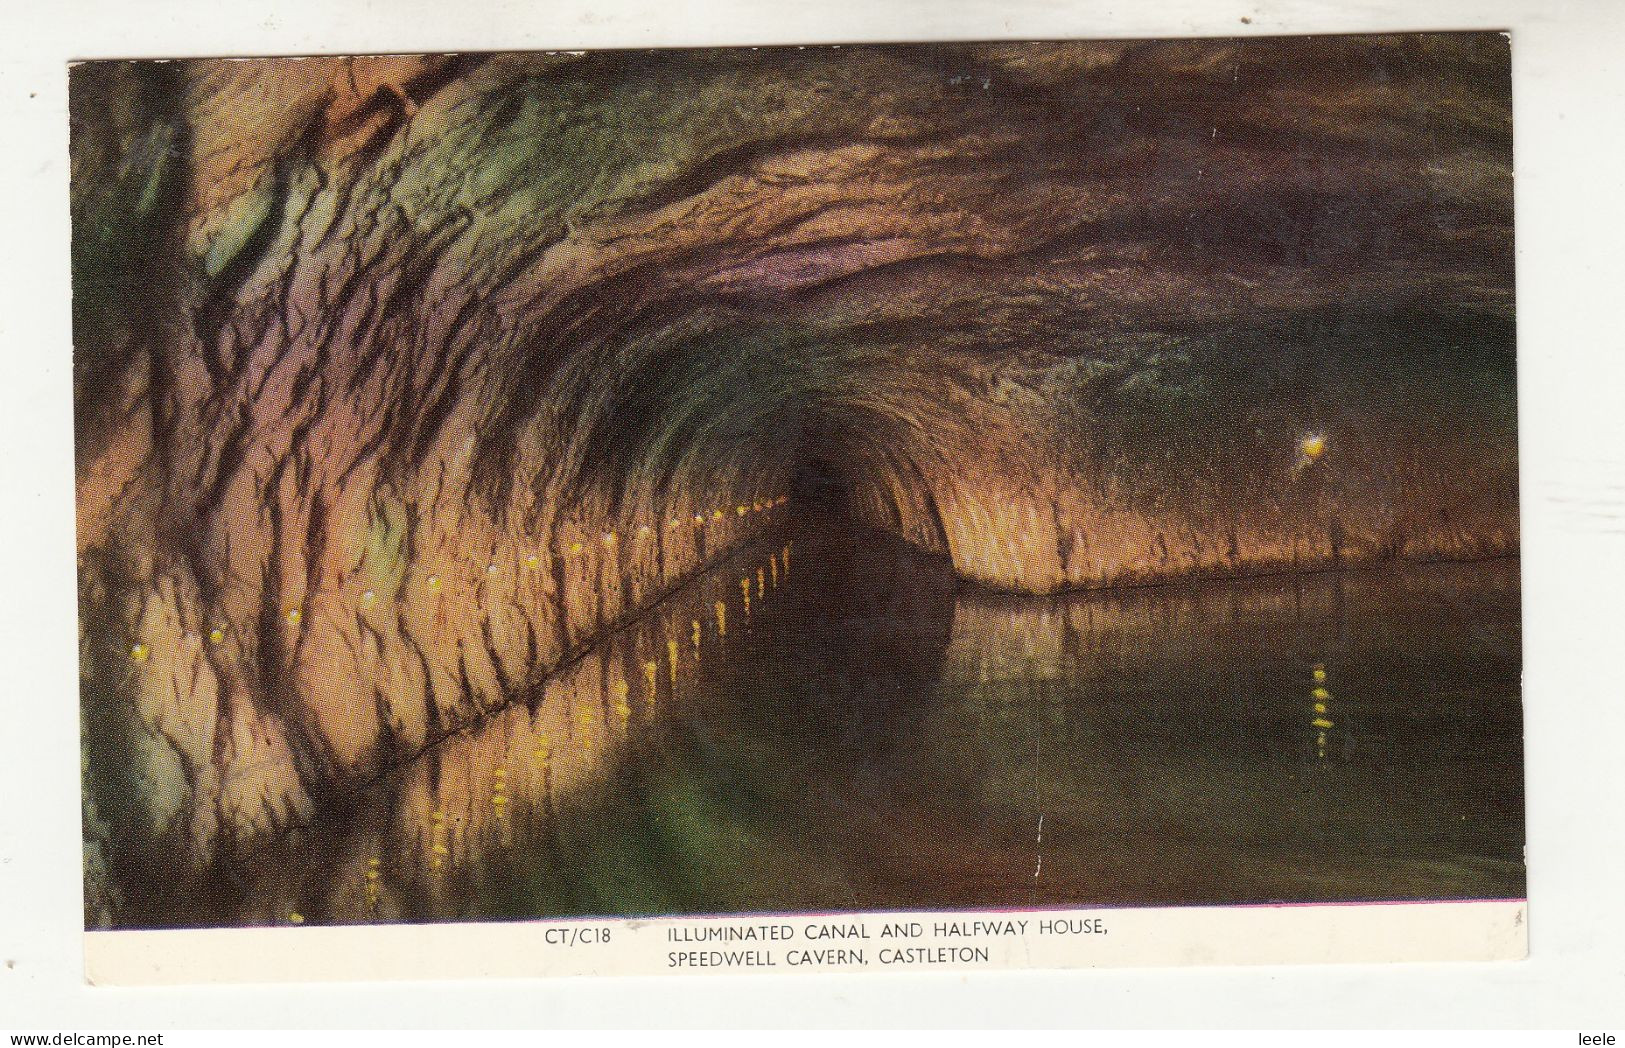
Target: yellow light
369, 598
434, 583
741, 510
217, 635
296, 917
722, 619
671, 658
1321, 693
1319, 673
294, 615
1313, 446
609, 538
139, 652
699, 519
716, 514
491, 568
533, 562
1321, 722
673, 522
575, 547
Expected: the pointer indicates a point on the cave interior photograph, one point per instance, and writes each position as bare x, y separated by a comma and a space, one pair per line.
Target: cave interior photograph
796, 479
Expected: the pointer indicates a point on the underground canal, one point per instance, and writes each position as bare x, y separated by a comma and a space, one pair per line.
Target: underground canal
796, 479
830, 720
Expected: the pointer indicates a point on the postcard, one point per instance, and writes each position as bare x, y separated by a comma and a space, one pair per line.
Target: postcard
793, 509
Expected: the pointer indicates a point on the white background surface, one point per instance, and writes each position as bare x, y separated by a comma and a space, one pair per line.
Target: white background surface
1569, 127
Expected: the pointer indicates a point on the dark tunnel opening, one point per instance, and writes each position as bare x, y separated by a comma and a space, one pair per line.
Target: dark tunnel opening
857, 471
821, 486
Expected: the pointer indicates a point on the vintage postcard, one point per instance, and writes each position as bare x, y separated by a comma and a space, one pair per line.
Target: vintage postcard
861, 508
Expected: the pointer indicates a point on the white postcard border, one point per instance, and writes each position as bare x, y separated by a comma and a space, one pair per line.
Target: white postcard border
788, 944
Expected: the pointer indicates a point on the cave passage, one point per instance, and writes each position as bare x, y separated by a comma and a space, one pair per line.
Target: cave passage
832, 721
822, 484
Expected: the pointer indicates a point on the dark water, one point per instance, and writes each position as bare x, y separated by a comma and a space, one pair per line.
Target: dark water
870, 735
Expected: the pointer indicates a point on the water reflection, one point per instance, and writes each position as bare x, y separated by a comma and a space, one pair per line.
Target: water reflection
865, 733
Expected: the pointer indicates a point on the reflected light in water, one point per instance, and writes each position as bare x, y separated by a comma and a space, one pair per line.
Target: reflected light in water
883, 737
